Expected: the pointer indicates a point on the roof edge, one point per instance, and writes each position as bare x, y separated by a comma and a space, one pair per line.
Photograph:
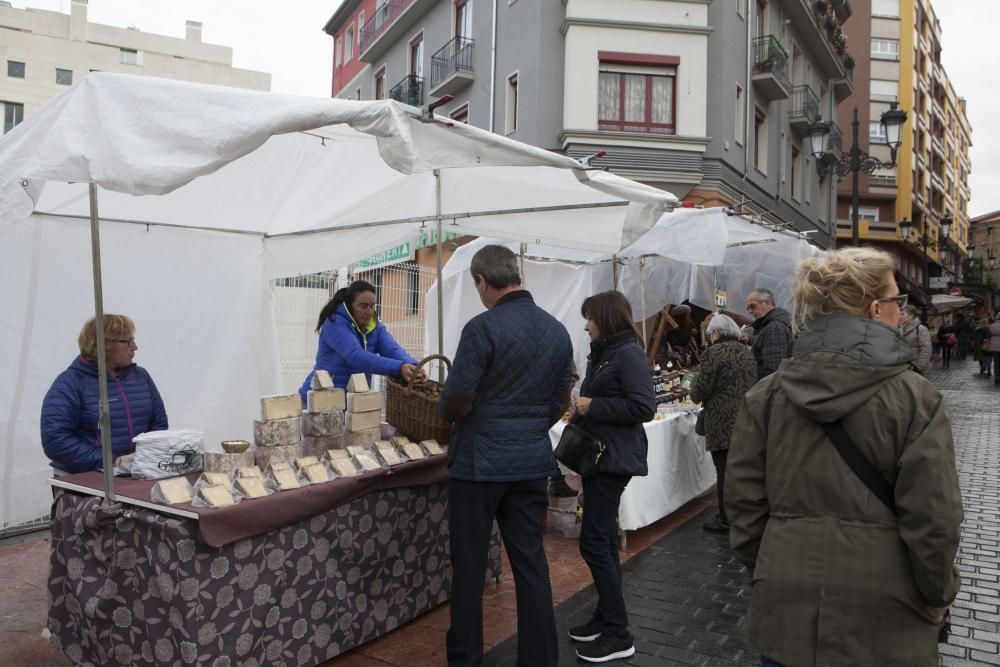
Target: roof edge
346, 9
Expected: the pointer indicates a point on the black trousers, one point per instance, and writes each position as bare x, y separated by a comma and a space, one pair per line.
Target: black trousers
946, 355
602, 495
519, 508
719, 460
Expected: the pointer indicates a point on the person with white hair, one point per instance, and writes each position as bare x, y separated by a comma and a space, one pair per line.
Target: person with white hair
727, 371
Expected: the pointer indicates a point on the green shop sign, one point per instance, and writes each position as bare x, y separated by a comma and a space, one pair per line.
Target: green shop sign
403, 252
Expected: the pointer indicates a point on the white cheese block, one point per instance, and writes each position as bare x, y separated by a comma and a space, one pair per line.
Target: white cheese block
389, 455
358, 383
325, 400
173, 491
431, 447
217, 496
251, 487
217, 479
344, 467
249, 471
363, 438
399, 440
338, 454
277, 432
316, 473
285, 478
266, 456
363, 421
412, 451
317, 445
323, 423
225, 462
322, 380
305, 461
364, 402
280, 407
354, 450
367, 461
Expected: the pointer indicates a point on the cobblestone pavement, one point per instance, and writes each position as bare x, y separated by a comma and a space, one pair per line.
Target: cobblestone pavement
687, 596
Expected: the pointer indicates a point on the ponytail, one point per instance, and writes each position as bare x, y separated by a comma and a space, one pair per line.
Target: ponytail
343, 295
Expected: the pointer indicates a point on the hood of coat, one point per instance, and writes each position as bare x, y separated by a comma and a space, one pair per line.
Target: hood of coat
345, 312
774, 315
599, 347
840, 362
909, 327
88, 367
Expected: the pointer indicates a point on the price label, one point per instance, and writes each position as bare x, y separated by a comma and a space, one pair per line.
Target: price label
720, 299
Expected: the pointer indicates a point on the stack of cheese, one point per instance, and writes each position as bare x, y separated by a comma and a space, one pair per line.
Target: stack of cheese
364, 413
323, 420
278, 435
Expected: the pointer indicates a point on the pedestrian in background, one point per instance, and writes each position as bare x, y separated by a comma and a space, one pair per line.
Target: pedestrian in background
616, 398
773, 331
947, 340
726, 373
993, 347
917, 337
509, 383
842, 574
980, 342
963, 330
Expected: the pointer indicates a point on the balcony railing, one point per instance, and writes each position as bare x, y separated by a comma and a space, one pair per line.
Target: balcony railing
455, 57
409, 91
385, 15
834, 144
804, 109
882, 181
770, 67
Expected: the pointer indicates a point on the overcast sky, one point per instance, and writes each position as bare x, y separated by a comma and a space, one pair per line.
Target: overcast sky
286, 38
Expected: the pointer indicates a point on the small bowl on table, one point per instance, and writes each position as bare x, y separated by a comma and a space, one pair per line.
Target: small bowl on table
235, 446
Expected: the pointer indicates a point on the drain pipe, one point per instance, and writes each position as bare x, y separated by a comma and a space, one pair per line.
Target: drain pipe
746, 94
493, 69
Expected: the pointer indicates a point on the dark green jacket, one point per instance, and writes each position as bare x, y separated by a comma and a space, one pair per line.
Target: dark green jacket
838, 579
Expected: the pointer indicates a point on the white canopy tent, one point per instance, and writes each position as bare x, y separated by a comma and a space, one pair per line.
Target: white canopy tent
248, 186
686, 256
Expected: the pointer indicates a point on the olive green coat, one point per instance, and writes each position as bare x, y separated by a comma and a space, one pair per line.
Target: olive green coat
838, 579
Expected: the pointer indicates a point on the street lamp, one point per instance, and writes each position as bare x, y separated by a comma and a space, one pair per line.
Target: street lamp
923, 242
856, 160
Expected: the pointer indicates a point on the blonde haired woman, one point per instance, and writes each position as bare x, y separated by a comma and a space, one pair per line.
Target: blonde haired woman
71, 407
839, 575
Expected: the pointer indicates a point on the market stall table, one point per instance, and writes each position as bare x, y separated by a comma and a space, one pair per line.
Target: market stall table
295, 578
679, 470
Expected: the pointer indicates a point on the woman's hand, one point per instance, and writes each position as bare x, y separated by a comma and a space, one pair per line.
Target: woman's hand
581, 406
937, 613
408, 372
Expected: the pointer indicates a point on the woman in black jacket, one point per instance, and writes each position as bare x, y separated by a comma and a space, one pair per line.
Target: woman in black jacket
615, 399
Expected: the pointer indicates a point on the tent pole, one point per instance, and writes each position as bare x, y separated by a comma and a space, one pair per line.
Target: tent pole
104, 425
642, 299
614, 270
438, 259
524, 279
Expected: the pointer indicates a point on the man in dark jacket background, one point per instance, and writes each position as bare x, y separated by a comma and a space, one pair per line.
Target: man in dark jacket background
510, 382
772, 332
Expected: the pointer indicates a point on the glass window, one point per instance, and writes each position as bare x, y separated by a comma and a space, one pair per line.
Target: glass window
417, 56
885, 49
380, 84
15, 69
64, 77
635, 102
349, 45
130, 57
13, 114
740, 115
884, 91
887, 8
876, 132
510, 121
463, 18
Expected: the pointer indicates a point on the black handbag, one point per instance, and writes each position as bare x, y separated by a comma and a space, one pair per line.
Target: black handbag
699, 424
579, 451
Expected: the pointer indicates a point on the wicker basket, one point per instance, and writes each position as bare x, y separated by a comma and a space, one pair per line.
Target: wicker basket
414, 413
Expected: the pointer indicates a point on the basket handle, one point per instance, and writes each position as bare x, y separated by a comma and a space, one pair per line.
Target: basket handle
407, 388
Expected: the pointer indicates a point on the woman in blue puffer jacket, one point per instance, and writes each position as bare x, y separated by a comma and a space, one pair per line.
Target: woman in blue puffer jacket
71, 406
352, 340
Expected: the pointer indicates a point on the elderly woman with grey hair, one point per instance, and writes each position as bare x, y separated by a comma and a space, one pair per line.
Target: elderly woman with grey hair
727, 372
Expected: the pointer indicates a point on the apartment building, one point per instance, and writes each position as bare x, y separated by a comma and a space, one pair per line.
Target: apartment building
930, 182
709, 100
984, 251
42, 53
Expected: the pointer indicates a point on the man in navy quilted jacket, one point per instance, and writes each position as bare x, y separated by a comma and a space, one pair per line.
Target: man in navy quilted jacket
510, 382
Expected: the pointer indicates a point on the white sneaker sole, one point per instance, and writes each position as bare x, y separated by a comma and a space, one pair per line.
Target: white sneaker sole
627, 653
584, 638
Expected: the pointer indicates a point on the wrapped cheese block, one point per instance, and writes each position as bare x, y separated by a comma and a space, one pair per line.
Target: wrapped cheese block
364, 438
367, 461
412, 451
432, 447
249, 471
322, 423
358, 383
251, 487
316, 473
284, 477
335, 454
325, 400
305, 461
322, 380
389, 455
216, 496
317, 445
286, 454
172, 491
223, 462
363, 421
354, 450
364, 402
217, 479
275, 432
344, 467
399, 440
280, 407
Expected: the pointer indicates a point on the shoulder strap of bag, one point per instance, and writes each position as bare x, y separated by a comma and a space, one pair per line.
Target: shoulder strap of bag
861, 466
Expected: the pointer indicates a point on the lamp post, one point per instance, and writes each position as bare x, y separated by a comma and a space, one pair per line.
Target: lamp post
923, 242
856, 160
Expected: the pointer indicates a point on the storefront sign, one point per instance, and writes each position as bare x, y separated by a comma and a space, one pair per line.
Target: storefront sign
720, 299
400, 253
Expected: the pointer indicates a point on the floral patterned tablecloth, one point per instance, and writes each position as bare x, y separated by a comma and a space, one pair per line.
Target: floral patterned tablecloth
138, 588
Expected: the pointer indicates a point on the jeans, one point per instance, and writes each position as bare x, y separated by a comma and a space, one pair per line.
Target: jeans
719, 461
599, 547
519, 508
946, 355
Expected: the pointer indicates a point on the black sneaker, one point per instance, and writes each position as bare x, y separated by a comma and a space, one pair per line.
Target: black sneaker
586, 633
561, 489
716, 525
606, 649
